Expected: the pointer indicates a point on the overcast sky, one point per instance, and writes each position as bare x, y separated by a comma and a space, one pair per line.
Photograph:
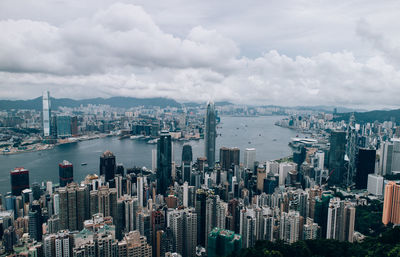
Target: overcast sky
343, 53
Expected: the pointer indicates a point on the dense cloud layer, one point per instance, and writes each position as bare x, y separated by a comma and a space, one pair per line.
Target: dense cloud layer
119, 49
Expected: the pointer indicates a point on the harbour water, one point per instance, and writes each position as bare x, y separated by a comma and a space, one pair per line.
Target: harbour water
270, 141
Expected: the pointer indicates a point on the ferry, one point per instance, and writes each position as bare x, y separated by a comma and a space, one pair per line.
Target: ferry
136, 137
83, 164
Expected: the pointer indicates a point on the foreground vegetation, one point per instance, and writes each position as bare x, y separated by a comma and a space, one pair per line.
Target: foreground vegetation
387, 244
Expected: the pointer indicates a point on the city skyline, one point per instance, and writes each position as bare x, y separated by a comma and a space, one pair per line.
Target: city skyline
270, 53
199, 128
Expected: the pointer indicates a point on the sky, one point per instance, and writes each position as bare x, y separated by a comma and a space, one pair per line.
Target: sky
288, 53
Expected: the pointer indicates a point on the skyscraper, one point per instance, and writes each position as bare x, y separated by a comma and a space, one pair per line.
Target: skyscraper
201, 198
64, 126
249, 158
290, 226
386, 158
19, 180
396, 155
210, 134
154, 160
365, 166
73, 206
336, 157
35, 221
66, 173
391, 204
229, 157
187, 158
164, 159
46, 113
107, 165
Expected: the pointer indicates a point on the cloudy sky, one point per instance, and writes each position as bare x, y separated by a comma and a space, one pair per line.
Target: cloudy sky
303, 52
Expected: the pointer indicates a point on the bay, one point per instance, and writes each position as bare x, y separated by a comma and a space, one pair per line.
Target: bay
270, 141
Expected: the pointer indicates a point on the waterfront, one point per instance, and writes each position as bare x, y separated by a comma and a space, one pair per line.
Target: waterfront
270, 141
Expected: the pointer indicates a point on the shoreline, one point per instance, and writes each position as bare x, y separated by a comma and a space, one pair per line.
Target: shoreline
43, 147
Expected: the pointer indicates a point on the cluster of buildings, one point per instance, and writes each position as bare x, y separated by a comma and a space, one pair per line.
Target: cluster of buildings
204, 206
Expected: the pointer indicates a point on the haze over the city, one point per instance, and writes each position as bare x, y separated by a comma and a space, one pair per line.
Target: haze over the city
342, 53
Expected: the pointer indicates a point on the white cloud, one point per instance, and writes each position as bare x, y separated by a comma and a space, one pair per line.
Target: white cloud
119, 49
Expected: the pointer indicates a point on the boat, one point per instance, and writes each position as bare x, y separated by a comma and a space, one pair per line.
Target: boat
152, 141
136, 137
83, 164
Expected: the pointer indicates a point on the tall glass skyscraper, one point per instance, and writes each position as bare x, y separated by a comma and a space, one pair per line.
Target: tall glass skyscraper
164, 161
187, 158
336, 157
210, 134
46, 113
64, 126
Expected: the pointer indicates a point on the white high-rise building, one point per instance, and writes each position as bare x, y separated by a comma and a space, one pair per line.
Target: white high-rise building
46, 113
183, 224
154, 159
247, 227
249, 158
49, 187
386, 159
140, 188
396, 155
333, 225
56, 203
321, 159
375, 184
185, 194
273, 167
290, 226
284, 169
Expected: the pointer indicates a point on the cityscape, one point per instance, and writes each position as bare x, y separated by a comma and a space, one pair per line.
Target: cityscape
218, 203
191, 128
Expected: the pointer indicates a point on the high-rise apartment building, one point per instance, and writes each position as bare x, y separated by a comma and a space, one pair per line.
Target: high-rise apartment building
210, 134
391, 205
73, 206
222, 242
183, 224
290, 226
215, 213
134, 245
164, 163
340, 222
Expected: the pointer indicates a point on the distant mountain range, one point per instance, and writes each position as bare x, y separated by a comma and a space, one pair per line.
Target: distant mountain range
371, 116
119, 102
129, 102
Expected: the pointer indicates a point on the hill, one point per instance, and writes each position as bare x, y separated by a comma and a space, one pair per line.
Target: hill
371, 116
119, 102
